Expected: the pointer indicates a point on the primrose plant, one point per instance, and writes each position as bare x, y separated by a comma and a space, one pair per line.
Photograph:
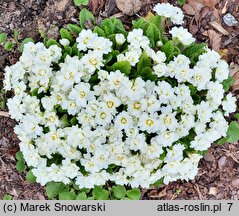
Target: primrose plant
103, 112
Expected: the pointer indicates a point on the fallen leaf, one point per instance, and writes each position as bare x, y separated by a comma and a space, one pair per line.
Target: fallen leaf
196, 5
189, 9
215, 39
208, 3
218, 27
129, 7
96, 5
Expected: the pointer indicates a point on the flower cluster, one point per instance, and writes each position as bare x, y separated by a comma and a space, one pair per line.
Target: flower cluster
127, 131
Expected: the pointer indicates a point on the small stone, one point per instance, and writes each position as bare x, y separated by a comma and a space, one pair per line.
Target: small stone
235, 183
129, 7
213, 191
222, 162
209, 157
230, 20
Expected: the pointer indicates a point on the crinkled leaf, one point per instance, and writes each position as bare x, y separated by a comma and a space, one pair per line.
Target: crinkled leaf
100, 193
181, 2
134, 194
81, 2
66, 34
222, 141
99, 31
8, 45
81, 196
67, 196
152, 33
30, 177
51, 42
54, 188
139, 24
194, 48
7, 197
19, 155
3, 37
68, 50
108, 26
227, 83
168, 48
119, 191
233, 132
85, 15
123, 66
20, 166
158, 183
144, 62
74, 28
147, 74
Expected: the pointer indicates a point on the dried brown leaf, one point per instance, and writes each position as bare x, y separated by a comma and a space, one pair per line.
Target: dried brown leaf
215, 39
219, 28
208, 3
129, 7
196, 5
189, 9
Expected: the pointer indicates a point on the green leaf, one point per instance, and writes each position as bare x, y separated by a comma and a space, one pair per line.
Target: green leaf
7, 197
30, 177
168, 48
233, 132
108, 26
25, 41
90, 198
125, 198
134, 194
68, 50
64, 120
85, 15
54, 188
144, 62
158, 183
119, 191
181, 2
74, 121
193, 89
100, 193
51, 42
139, 24
155, 19
81, 196
227, 83
15, 34
99, 31
194, 48
19, 155
67, 196
8, 46
66, 34
119, 27
74, 28
20, 166
123, 66
81, 2
222, 141
237, 115
152, 33
3, 37
147, 74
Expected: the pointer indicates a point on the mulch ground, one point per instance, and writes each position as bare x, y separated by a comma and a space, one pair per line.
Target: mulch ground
218, 176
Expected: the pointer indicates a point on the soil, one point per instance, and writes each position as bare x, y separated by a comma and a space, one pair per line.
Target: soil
218, 176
